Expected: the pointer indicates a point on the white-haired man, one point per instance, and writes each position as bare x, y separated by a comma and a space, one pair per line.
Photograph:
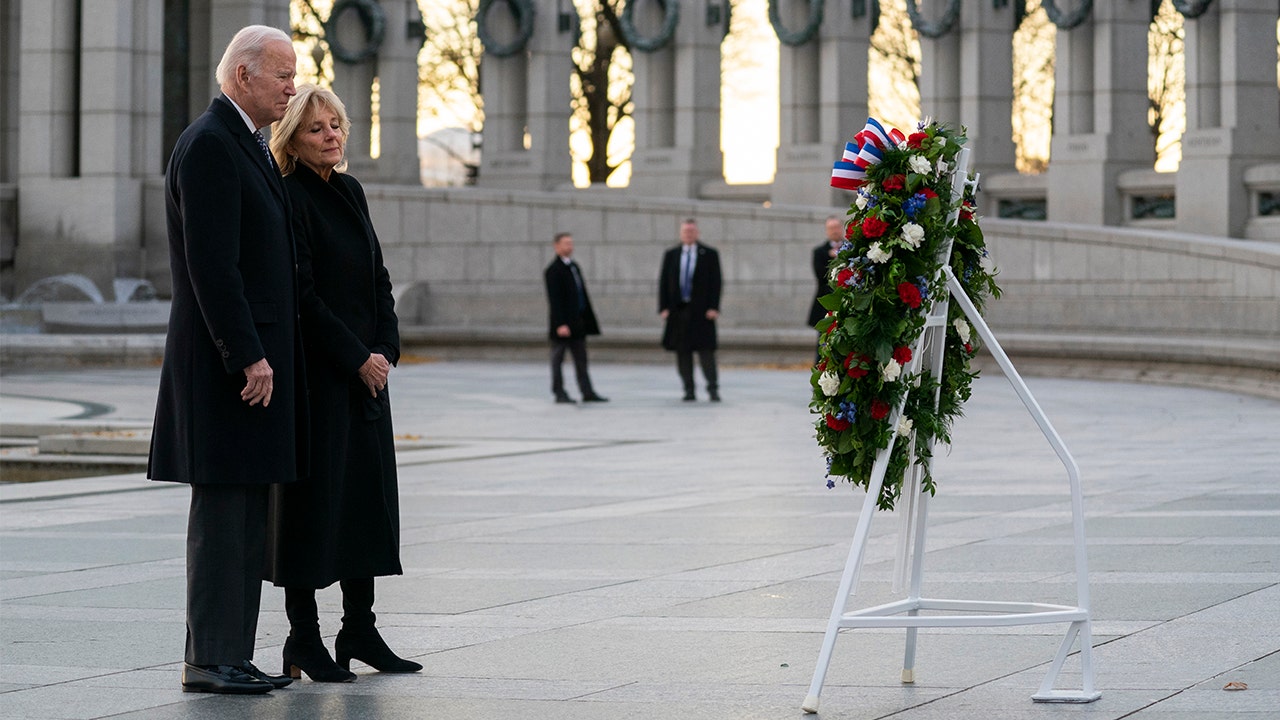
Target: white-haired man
230, 419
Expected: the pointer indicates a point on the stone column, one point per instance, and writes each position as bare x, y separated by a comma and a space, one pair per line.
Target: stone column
397, 63
986, 85
353, 83
526, 104
1100, 113
1233, 114
677, 93
940, 76
91, 133
823, 104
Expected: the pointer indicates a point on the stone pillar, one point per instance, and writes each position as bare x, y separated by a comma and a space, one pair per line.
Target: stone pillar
677, 95
986, 85
940, 76
353, 83
526, 104
397, 64
1233, 114
1100, 113
91, 132
823, 105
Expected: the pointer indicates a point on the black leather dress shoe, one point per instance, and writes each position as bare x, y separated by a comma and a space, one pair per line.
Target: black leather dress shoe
221, 679
277, 681
715, 396
689, 397
594, 398
565, 399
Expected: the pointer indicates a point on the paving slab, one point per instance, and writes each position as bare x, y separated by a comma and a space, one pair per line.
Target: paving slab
649, 558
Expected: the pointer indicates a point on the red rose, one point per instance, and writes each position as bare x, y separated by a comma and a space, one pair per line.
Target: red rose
910, 294
844, 276
902, 355
873, 227
968, 348
928, 193
894, 182
822, 366
849, 231
879, 409
966, 211
836, 423
853, 364
915, 139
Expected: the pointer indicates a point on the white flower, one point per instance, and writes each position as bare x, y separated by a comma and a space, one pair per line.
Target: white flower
835, 274
912, 234
919, 164
861, 202
829, 382
878, 254
962, 329
904, 426
869, 188
891, 370
902, 145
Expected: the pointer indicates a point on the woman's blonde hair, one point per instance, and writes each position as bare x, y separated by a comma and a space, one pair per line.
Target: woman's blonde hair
301, 106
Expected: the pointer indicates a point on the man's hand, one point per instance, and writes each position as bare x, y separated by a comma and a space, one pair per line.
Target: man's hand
562, 331
713, 314
258, 383
663, 314
373, 373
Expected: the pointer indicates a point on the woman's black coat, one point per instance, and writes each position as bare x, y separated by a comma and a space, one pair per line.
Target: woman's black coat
344, 521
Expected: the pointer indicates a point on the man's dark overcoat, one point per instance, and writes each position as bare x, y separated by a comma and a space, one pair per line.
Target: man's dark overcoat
821, 262
234, 302
697, 332
564, 305
344, 522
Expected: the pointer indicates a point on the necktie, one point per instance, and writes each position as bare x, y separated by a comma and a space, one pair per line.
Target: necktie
686, 275
266, 150
577, 281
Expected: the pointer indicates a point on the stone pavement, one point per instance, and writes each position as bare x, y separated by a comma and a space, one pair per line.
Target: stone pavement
655, 559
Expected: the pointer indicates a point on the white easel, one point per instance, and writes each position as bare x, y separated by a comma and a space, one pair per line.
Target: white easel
915, 511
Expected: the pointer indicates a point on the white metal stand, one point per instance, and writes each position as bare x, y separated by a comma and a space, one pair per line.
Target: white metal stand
914, 503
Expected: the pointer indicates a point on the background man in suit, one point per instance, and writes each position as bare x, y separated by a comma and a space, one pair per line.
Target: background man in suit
230, 419
822, 256
572, 320
689, 302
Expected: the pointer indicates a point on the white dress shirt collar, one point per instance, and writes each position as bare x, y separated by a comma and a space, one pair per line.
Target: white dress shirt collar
248, 121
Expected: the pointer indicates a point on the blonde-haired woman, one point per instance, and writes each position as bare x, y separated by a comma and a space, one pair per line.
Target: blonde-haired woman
340, 523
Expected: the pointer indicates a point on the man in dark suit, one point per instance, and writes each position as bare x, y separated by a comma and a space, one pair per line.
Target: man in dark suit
689, 302
571, 320
231, 417
822, 257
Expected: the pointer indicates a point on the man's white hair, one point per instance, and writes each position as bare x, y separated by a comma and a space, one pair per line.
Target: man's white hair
246, 49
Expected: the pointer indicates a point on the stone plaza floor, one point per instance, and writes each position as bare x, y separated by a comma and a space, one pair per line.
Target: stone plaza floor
654, 559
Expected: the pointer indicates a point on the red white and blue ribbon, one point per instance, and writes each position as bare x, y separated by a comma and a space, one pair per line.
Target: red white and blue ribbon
867, 149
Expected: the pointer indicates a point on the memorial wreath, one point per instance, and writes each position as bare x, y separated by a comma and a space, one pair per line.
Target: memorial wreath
883, 280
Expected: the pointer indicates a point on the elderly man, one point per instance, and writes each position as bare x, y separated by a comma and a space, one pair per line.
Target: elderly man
230, 419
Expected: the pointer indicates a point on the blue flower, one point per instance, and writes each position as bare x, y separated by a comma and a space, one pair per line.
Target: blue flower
830, 483
923, 285
846, 246
914, 204
848, 411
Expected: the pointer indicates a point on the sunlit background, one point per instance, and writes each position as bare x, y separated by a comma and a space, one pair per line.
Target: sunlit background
451, 111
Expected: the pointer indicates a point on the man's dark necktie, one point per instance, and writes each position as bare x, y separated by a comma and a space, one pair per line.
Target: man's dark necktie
266, 150
577, 281
686, 276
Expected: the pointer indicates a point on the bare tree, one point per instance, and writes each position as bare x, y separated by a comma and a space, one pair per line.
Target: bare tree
894, 65
1033, 86
601, 88
1166, 85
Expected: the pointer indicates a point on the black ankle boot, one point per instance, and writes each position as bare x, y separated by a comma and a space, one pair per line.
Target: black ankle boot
367, 646
310, 656
359, 639
304, 651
